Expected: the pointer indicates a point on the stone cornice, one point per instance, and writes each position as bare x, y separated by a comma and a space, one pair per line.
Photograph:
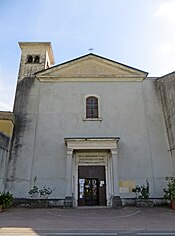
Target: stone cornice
114, 78
92, 143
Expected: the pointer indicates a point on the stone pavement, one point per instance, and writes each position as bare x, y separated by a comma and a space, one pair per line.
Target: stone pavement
79, 221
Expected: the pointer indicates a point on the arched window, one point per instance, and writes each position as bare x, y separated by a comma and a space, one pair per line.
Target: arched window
36, 60
91, 107
30, 59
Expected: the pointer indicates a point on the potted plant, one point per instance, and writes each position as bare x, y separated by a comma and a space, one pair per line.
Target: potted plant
142, 193
6, 200
169, 191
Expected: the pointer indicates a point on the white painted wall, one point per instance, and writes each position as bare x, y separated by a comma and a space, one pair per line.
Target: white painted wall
129, 110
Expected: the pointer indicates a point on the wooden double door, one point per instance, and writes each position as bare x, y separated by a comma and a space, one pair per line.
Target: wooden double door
91, 186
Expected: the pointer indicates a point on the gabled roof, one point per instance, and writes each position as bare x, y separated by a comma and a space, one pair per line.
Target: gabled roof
91, 66
172, 75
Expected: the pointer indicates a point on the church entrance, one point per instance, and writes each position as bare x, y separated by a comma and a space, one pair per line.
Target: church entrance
91, 186
91, 193
92, 171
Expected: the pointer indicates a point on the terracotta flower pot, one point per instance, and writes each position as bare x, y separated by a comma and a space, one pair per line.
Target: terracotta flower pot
1, 209
173, 205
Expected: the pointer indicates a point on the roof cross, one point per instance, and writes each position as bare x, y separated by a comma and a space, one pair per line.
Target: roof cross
91, 49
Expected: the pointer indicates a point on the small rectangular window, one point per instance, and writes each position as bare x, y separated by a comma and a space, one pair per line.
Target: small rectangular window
91, 107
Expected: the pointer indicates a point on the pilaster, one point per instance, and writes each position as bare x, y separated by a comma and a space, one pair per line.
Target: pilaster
68, 198
116, 201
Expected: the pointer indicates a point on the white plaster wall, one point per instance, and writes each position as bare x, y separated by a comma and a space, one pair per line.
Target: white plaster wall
129, 110
21, 163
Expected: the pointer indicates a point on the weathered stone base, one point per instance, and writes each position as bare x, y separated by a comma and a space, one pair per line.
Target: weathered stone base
144, 203
39, 204
154, 201
116, 202
25, 202
68, 202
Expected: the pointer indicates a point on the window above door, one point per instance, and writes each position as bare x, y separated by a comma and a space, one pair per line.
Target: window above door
92, 107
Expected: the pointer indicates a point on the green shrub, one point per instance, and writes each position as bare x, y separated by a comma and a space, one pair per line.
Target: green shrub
42, 193
6, 199
143, 191
169, 191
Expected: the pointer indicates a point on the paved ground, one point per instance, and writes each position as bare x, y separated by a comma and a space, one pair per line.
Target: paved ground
87, 221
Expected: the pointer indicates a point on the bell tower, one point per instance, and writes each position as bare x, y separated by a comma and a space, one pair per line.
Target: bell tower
35, 56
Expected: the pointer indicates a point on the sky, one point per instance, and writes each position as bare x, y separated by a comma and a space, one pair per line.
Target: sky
138, 33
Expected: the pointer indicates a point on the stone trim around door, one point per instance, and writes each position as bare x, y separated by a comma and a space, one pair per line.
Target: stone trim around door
93, 159
92, 152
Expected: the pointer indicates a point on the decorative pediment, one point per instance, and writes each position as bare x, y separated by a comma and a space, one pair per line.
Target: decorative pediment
89, 68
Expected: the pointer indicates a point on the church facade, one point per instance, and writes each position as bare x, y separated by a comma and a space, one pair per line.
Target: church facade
90, 128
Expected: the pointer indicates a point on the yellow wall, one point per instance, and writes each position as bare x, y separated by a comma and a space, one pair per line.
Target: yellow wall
6, 127
126, 186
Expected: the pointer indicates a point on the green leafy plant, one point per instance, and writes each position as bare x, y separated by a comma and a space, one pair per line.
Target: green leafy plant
142, 191
43, 193
169, 191
6, 199
34, 191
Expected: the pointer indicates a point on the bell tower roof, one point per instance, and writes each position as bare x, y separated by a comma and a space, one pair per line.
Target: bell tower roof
30, 45
35, 56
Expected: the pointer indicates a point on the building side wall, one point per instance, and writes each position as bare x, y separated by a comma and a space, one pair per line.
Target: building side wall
6, 132
4, 147
21, 155
167, 94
